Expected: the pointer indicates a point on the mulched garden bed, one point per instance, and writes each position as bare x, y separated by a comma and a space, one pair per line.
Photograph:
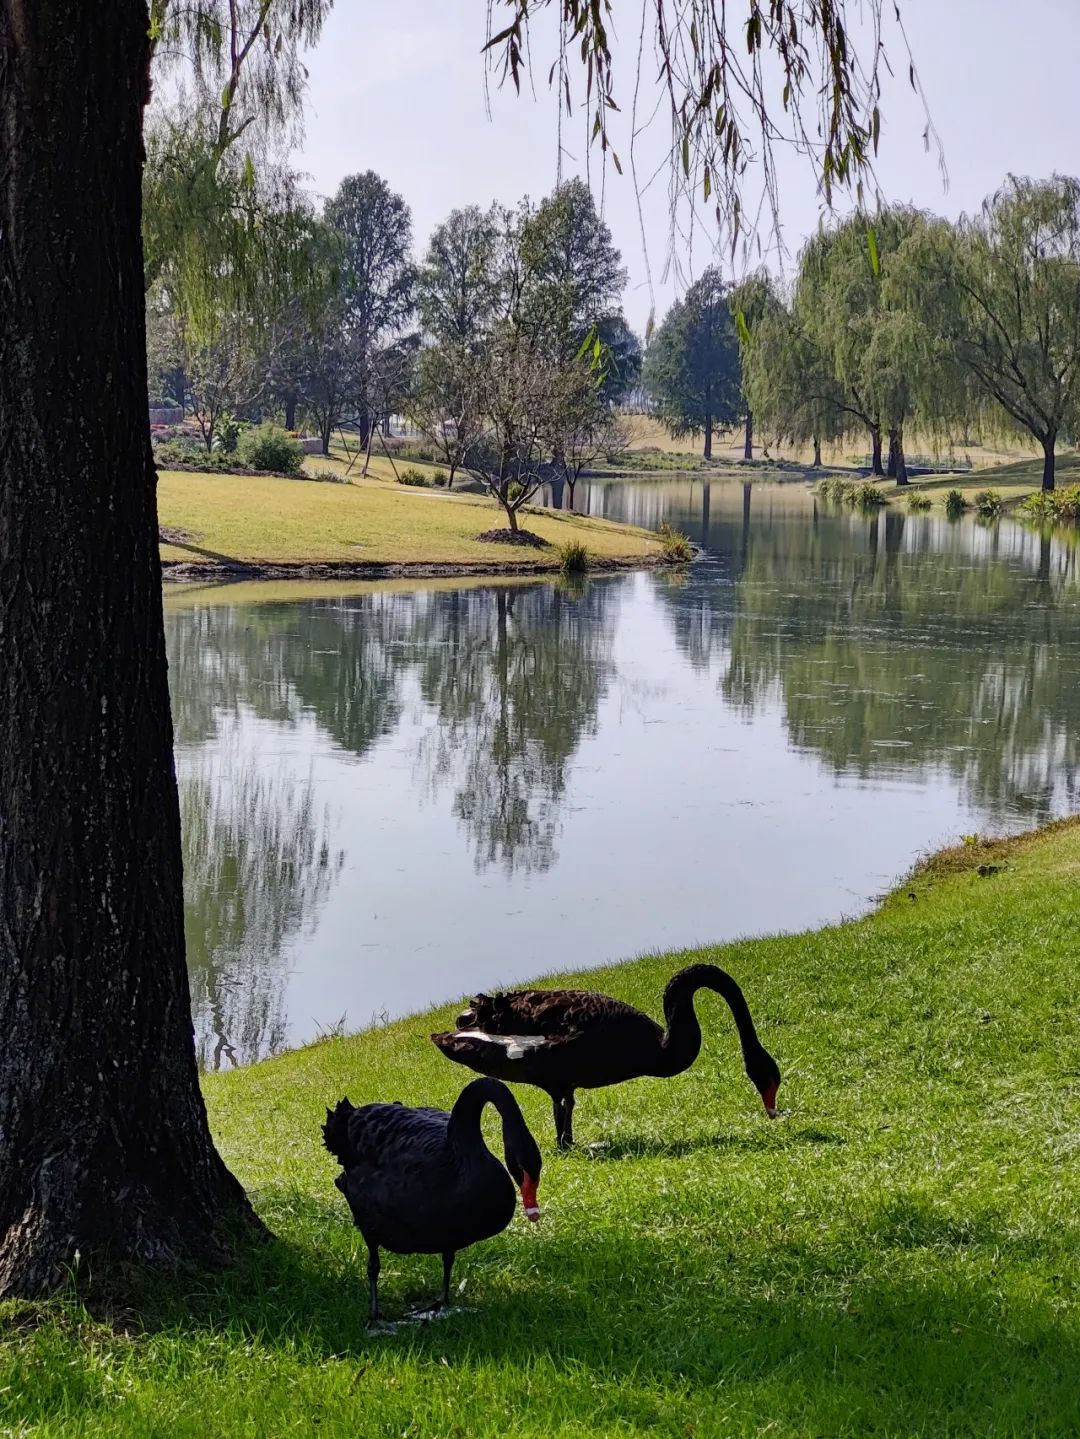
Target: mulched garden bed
525, 538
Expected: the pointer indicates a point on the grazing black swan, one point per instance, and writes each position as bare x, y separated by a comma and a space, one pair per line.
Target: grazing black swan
567, 1039
421, 1181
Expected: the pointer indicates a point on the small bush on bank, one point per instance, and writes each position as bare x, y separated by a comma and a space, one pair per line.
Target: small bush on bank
865, 495
919, 502
955, 504
574, 558
676, 546
988, 504
440, 478
268, 447
859, 494
416, 479
1052, 507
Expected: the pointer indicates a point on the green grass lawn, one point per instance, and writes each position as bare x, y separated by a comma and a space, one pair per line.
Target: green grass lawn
898, 1255
255, 519
1013, 482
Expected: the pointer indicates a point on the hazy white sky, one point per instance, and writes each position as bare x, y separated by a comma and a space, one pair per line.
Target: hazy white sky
397, 86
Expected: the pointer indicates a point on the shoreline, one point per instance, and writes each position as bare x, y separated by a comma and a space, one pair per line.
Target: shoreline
175, 571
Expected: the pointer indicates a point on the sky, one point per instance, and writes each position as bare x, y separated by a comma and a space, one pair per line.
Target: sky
397, 86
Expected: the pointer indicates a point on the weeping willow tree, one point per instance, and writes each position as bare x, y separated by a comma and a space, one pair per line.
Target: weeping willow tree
737, 82
224, 72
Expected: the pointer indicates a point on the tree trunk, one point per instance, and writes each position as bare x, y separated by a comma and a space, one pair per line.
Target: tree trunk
290, 412
817, 452
899, 458
748, 437
104, 1143
893, 443
875, 439
571, 486
1048, 475
325, 432
708, 437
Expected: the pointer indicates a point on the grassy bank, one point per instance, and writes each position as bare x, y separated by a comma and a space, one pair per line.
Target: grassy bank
226, 521
899, 1255
1013, 482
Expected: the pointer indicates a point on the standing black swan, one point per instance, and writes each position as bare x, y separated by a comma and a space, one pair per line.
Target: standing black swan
421, 1181
567, 1039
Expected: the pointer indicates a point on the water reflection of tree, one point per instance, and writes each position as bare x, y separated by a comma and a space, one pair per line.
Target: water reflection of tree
515, 677
898, 644
257, 867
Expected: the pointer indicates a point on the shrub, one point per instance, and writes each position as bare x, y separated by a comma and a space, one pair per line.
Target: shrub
514, 490
1052, 507
574, 558
415, 478
955, 504
193, 456
676, 546
226, 435
865, 495
919, 501
439, 478
988, 504
268, 447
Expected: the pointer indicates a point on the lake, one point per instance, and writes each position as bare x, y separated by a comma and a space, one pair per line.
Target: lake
395, 794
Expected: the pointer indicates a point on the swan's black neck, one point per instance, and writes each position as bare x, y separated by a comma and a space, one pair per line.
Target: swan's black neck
681, 1043
463, 1132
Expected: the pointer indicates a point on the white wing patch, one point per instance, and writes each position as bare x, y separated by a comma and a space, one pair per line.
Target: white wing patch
516, 1045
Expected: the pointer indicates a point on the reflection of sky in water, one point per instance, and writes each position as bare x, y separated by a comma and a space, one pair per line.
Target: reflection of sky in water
399, 796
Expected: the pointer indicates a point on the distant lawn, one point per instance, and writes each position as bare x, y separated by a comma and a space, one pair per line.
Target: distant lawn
262, 520
1013, 481
899, 1255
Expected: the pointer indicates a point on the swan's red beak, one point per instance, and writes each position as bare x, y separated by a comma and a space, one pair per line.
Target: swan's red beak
528, 1197
768, 1098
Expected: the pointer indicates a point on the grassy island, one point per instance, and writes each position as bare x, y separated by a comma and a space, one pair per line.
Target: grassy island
263, 524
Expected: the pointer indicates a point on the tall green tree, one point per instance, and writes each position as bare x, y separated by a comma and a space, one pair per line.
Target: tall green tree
1003, 291
236, 82
878, 348
691, 367
573, 272
787, 384
752, 301
378, 278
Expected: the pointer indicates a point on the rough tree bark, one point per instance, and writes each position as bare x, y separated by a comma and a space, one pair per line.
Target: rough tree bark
897, 459
817, 452
104, 1143
708, 437
1048, 475
875, 459
748, 436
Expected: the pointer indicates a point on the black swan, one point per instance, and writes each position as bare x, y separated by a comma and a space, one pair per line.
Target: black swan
421, 1181
567, 1039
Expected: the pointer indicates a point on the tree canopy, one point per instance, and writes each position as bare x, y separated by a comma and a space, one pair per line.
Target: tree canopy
691, 367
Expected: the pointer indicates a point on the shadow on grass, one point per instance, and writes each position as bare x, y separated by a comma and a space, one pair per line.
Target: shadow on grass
650, 1147
920, 1321
205, 554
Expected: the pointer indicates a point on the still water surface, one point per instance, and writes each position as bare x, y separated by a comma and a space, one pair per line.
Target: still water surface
394, 794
